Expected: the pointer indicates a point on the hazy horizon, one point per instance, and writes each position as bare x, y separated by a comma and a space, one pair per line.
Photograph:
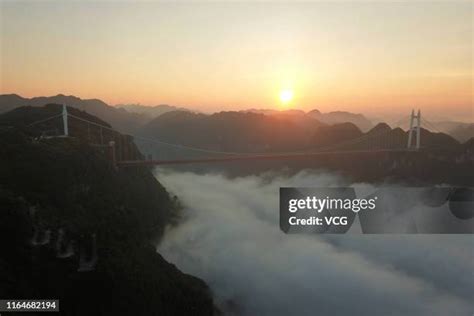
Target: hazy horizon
365, 57
387, 117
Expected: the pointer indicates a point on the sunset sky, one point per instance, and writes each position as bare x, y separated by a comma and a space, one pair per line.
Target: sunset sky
357, 56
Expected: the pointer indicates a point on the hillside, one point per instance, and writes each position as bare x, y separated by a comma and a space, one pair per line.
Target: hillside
118, 118
330, 118
376, 155
253, 132
230, 131
74, 228
383, 136
335, 134
338, 117
460, 131
150, 111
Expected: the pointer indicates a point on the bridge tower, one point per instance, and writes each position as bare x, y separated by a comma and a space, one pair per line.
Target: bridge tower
65, 123
413, 128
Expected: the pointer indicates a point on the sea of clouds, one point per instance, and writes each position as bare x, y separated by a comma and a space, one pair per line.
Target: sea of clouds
230, 238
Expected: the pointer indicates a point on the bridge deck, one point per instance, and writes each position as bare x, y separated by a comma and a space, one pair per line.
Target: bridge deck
131, 163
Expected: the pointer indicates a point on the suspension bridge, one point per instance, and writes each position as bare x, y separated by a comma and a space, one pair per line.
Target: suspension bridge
122, 155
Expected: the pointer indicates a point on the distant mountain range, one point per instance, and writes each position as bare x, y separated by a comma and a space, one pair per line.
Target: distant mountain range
170, 136
135, 118
330, 118
459, 130
250, 132
150, 111
231, 131
342, 117
462, 131
442, 158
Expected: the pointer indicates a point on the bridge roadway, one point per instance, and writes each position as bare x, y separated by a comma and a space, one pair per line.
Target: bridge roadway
133, 163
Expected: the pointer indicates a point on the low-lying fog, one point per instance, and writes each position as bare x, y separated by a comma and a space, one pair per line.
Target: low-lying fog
230, 237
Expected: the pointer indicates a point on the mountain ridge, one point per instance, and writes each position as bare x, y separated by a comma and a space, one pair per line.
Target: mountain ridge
119, 118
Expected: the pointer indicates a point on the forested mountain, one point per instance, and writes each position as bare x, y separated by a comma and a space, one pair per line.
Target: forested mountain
254, 132
230, 131
74, 228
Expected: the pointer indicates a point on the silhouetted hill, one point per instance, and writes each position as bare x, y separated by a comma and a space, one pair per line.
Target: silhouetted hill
119, 118
330, 118
334, 134
378, 155
437, 140
26, 115
22, 118
379, 128
276, 112
382, 136
315, 113
10, 101
150, 111
249, 132
57, 191
468, 147
342, 117
229, 131
462, 132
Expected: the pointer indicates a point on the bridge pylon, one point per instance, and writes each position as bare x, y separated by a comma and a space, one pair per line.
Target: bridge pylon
414, 128
65, 122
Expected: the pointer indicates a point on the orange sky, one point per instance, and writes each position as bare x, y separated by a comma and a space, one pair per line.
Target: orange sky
358, 56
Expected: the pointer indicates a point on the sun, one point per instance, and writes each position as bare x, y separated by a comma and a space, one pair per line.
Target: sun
286, 96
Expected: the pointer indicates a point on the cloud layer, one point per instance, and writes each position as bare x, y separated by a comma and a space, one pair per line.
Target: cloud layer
230, 237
